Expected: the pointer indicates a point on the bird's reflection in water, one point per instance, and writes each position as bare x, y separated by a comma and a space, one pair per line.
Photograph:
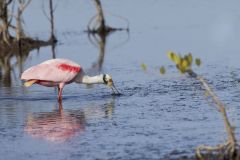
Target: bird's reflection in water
55, 126
62, 125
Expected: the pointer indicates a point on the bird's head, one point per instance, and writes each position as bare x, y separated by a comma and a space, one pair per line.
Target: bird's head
107, 80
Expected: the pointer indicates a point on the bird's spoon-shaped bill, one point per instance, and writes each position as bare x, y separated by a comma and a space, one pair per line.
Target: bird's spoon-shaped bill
117, 93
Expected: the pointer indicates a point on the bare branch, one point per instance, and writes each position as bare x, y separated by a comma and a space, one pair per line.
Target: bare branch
44, 12
231, 145
52, 38
23, 5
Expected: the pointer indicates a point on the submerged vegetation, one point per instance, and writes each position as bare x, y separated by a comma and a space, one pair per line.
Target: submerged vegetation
14, 43
8, 12
98, 25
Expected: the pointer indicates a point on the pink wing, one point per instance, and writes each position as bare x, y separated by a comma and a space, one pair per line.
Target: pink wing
55, 70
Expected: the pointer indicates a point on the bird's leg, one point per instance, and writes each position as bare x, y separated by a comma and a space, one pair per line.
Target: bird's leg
60, 88
60, 95
60, 106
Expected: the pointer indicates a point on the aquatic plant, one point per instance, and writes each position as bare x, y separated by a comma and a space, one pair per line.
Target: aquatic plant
228, 150
6, 16
14, 43
97, 24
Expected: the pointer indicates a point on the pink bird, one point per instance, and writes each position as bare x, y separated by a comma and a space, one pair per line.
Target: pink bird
59, 72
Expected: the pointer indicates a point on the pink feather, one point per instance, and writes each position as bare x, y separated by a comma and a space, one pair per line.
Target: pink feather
54, 70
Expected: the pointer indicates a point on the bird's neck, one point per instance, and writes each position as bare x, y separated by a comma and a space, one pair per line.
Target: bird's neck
92, 80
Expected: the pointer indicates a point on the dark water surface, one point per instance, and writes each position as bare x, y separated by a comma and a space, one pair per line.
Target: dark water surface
157, 117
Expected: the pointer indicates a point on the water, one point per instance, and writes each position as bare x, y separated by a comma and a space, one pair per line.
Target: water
156, 117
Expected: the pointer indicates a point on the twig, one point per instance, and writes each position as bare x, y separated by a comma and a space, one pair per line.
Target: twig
231, 145
21, 8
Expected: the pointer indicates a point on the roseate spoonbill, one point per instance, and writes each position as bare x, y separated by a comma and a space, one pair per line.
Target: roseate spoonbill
59, 72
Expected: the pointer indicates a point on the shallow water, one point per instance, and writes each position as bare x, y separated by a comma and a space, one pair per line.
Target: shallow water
156, 117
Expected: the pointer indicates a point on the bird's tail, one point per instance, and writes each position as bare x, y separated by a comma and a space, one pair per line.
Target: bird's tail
30, 82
